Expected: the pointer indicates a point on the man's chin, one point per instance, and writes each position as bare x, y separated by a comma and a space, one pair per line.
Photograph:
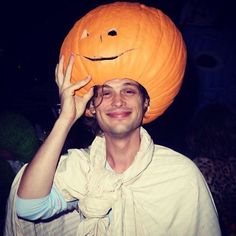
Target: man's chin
120, 131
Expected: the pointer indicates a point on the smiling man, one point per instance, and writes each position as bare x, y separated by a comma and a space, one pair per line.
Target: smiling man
123, 183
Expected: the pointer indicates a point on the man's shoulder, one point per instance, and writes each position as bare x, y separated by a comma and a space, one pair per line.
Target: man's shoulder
161, 151
75, 154
173, 170
166, 157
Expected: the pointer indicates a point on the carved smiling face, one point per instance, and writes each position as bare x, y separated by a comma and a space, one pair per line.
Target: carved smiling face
113, 41
103, 56
127, 40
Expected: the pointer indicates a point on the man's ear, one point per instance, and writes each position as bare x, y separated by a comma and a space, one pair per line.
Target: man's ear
146, 104
90, 110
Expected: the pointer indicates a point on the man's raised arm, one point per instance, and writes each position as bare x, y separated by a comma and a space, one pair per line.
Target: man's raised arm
38, 176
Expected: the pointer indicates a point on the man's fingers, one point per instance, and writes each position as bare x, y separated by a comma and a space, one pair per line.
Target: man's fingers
69, 70
59, 72
73, 87
60, 65
89, 95
81, 102
56, 72
85, 81
80, 83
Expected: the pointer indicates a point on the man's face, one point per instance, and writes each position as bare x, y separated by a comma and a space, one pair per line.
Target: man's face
119, 107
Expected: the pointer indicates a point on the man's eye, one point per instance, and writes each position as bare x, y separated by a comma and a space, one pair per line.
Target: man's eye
106, 94
129, 92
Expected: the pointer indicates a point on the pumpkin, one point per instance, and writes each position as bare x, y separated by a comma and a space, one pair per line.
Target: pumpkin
128, 40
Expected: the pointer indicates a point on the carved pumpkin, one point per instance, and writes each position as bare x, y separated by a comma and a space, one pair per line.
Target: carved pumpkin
129, 40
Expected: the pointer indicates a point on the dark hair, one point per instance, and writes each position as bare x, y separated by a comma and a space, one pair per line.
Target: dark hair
91, 122
212, 133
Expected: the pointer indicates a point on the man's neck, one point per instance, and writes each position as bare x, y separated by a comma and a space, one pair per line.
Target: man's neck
121, 152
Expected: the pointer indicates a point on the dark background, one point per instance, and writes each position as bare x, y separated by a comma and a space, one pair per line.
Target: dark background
32, 33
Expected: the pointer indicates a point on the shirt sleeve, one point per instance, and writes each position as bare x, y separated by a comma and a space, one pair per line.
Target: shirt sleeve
43, 208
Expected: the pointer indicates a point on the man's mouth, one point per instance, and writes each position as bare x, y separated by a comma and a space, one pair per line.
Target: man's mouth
119, 115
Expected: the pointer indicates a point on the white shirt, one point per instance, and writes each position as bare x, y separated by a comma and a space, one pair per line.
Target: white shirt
161, 193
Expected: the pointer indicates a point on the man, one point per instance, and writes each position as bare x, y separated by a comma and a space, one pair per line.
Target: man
122, 184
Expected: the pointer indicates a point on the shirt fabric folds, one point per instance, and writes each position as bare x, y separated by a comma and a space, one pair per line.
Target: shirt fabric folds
161, 193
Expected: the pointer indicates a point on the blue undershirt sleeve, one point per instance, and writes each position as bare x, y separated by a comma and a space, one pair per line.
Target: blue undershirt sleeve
43, 208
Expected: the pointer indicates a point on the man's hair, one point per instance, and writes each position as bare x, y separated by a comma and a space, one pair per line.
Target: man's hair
91, 122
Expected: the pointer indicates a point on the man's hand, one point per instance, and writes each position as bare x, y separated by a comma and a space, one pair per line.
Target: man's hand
72, 106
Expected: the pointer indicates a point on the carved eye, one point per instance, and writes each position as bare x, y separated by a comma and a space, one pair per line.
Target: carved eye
112, 32
85, 34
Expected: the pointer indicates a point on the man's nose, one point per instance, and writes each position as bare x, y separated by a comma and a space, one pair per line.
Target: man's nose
118, 100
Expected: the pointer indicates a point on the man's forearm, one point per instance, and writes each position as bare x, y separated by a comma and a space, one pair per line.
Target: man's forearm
38, 176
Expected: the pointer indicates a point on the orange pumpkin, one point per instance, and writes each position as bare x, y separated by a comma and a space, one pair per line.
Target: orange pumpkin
129, 40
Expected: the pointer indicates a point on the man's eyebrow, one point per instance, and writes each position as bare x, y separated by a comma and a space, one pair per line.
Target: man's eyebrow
105, 86
131, 83
124, 84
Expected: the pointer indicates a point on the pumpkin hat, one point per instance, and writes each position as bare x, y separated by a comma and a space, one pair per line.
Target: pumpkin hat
129, 40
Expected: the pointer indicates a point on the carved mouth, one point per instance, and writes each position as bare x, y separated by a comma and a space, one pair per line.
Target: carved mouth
101, 58
107, 58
